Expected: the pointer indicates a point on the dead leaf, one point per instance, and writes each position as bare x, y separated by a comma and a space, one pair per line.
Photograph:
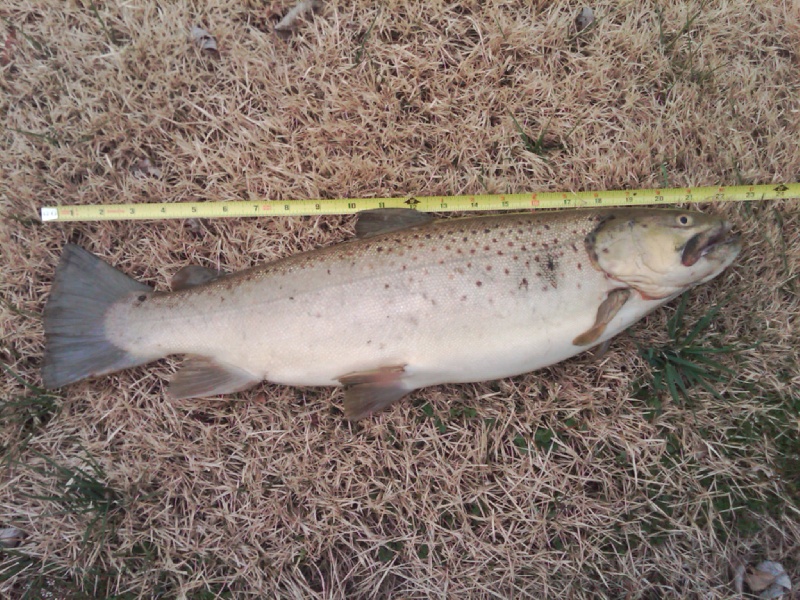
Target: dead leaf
584, 18
289, 22
10, 537
769, 579
205, 41
144, 168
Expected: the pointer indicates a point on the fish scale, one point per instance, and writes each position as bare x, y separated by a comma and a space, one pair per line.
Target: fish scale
409, 305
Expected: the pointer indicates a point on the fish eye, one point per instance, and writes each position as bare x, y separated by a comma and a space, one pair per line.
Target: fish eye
684, 220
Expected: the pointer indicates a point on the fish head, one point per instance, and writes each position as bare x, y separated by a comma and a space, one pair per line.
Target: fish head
661, 253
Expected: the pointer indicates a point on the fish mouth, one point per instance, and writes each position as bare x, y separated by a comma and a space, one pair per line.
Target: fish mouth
707, 241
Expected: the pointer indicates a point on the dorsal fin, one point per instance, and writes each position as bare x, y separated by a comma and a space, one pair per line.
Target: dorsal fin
383, 220
193, 275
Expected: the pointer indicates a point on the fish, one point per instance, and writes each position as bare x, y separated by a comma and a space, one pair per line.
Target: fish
412, 301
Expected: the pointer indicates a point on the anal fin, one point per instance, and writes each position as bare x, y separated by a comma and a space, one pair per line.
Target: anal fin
200, 377
367, 392
614, 301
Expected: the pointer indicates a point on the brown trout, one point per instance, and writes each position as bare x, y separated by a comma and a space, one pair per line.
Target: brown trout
411, 302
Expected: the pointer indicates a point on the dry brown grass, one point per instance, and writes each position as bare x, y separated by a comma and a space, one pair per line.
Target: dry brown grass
270, 492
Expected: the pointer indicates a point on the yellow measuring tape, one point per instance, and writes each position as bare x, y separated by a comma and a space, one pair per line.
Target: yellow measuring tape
342, 206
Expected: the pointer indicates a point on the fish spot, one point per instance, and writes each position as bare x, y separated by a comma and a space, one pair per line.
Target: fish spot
486, 248
605, 250
479, 283
536, 258
547, 227
574, 247
523, 249
499, 253
510, 244
142, 298
515, 257
379, 248
427, 236
405, 267
488, 267
463, 239
469, 265
459, 251
463, 298
544, 288
386, 286
447, 247
441, 261
487, 230
472, 251
506, 271
580, 266
494, 240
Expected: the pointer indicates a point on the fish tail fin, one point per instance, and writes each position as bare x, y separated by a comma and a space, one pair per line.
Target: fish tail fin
76, 345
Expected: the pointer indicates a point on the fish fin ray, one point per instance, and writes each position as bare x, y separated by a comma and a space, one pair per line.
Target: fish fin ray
193, 275
370, 391
384, 220
201, 376
607, 310
76, 346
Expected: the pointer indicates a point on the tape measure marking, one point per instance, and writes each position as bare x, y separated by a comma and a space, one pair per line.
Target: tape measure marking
482, 202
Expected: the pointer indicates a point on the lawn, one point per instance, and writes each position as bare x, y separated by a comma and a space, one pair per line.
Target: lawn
654, 471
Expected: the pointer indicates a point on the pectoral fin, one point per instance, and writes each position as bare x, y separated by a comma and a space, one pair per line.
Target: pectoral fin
193, 275
200, 377
384, 220
370, 391
605, 313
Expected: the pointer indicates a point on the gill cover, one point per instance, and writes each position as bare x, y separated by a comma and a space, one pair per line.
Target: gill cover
661, 253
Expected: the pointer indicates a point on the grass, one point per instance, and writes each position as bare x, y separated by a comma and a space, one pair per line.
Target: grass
685, 362
81, 490
644, 474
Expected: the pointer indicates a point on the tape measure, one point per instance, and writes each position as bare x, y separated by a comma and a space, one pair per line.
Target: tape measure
482, 202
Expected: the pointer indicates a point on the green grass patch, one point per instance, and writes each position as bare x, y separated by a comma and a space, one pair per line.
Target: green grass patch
683, 363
